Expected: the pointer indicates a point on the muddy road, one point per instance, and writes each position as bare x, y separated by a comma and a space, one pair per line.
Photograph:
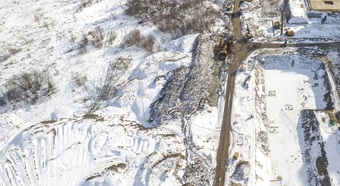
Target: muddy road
240, 52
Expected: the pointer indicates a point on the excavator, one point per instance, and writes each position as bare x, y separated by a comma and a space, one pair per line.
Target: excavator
221, 49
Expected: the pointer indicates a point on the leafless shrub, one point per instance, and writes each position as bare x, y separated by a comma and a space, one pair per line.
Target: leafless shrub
136, 7
48, 25
87, 3
2, 101
80, 80
148, 43
14, 50
82, 49
135, 38
37, 17
112, 37
97, 36
73, 38
4, 57
27, 88
84, 40
82, 44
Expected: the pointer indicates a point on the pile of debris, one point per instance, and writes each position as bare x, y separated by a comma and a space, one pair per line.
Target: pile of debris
188, 89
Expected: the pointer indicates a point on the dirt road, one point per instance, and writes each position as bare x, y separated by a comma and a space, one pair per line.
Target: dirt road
240, 53
222, 152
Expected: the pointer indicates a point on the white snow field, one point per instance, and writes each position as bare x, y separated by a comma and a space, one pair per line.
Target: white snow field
275, 90
56, 141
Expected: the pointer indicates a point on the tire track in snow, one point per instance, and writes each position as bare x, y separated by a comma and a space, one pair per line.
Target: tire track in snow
17, 164
82, 147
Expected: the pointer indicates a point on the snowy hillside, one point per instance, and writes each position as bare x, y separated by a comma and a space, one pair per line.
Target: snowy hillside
76, 92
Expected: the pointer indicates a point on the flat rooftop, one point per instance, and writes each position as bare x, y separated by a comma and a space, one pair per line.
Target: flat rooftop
325, 5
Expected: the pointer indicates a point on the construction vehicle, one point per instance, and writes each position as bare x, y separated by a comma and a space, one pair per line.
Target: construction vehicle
228, 6
290, 33
236, 155
277, 25
221, 49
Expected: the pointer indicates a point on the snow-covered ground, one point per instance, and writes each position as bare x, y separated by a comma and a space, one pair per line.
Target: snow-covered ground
295, 89
272, 89
56, 141
73, 136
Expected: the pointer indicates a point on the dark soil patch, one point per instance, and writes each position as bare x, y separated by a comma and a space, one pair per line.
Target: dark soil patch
317, 171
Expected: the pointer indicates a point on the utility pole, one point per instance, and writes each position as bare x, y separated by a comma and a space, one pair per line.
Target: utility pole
282, 12
273, 25
283, 9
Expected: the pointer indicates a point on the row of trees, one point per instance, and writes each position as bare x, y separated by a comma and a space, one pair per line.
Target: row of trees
176, 17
